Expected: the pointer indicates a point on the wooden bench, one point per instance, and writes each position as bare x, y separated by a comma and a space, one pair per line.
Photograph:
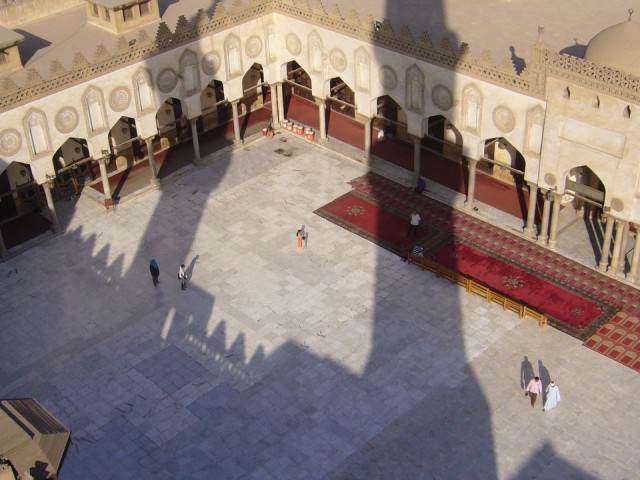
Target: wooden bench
475, 287
540, 317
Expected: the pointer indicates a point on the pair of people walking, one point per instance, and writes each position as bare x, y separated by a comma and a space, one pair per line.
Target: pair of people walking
534, 388
155, 274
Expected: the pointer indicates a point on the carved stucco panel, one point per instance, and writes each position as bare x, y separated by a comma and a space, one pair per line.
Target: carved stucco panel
388, 78
233, 56
120, 99
316, 53
167, 80
504, 119
211, 63
363, 70
471, 109
67, 120
36, 131
337, 60
94, 111
442, 97
253, 46
414, 92
190, 73
533, 133
293, 44
143, 88
272, 47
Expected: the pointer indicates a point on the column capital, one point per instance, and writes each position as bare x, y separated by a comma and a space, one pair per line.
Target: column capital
415, 138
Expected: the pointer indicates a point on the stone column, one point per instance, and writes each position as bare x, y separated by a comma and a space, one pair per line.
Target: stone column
3, 248
274, 105
155, 181
48, 186
367, 141
544, 224
623, 252
280, 102
108, 201
553, 230
236, 122
470, 202
322, 111
633, 272
530, 229
606, 245
196, 142
417, 164
617, 247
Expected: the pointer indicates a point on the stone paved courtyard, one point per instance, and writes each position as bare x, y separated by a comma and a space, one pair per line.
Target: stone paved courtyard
340, 361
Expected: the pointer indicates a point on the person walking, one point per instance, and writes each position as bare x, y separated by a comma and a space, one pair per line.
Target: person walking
414, 223
155, 272
553, 396
182, 275
534, 388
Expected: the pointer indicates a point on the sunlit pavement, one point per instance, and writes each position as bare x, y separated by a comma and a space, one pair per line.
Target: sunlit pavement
339, 361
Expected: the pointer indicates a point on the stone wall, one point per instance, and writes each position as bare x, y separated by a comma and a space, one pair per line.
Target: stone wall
17, 12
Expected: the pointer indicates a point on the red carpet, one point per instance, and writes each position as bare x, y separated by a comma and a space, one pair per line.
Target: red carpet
372, 221
518, 284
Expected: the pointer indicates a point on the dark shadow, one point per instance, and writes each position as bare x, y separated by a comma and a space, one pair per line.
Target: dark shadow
30, 45
575, 50
164, 4
526, 372
192, 265
595, 231
519, 63
545, 377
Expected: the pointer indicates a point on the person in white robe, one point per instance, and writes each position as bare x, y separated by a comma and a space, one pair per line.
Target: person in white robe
553, 396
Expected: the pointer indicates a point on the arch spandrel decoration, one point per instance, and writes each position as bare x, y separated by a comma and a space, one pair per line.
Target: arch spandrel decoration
533, 132
36, 132
94, 111
143, 91
414, 91
363, 70
471, 109
316, 53
233, 56
190, 73
10, 142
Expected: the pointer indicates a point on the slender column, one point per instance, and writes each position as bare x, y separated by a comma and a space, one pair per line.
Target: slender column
280, 102
367, 141
48, 186
606, 245
470, 202
544, 224
553, 231
196, 142
275, 102
236, 122
155, 181
617, 247
3, 248
530, 229
322, 110
623, 252
108, 201
416, 159
633, 272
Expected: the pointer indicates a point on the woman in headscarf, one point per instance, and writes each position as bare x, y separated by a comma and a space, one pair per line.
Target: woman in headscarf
155, 271
553, 396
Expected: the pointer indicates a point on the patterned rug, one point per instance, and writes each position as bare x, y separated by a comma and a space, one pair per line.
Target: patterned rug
618, 338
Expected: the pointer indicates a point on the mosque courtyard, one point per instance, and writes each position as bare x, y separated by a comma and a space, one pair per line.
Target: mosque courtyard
338, 361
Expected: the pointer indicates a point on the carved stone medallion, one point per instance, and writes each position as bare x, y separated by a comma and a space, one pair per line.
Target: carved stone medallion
337, 60
504, 119
67, 120
388, 77
550, 179
442, 97
253, 47
617, 205
293, 44
119, 99
10, 142
211, 63
167, 80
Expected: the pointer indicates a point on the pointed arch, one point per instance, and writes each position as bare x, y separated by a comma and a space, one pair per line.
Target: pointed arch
36, 132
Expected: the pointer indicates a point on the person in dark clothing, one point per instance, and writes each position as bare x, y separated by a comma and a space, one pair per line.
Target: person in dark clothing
419, 188
155, 272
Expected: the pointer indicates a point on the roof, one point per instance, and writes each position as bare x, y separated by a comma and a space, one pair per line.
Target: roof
617, 47
31, 438
117, 4
9, 38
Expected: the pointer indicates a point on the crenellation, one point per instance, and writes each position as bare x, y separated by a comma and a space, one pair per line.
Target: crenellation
405, 34
57, 69
334, 12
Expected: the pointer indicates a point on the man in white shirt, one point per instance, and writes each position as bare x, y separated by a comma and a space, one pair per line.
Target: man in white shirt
414, 224
182, 275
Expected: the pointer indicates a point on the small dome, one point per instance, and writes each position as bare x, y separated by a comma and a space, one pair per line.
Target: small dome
617, 47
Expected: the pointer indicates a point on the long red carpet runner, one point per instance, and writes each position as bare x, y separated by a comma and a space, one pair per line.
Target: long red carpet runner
579, 301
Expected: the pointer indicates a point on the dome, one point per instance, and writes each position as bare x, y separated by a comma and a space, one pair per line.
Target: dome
617, 47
